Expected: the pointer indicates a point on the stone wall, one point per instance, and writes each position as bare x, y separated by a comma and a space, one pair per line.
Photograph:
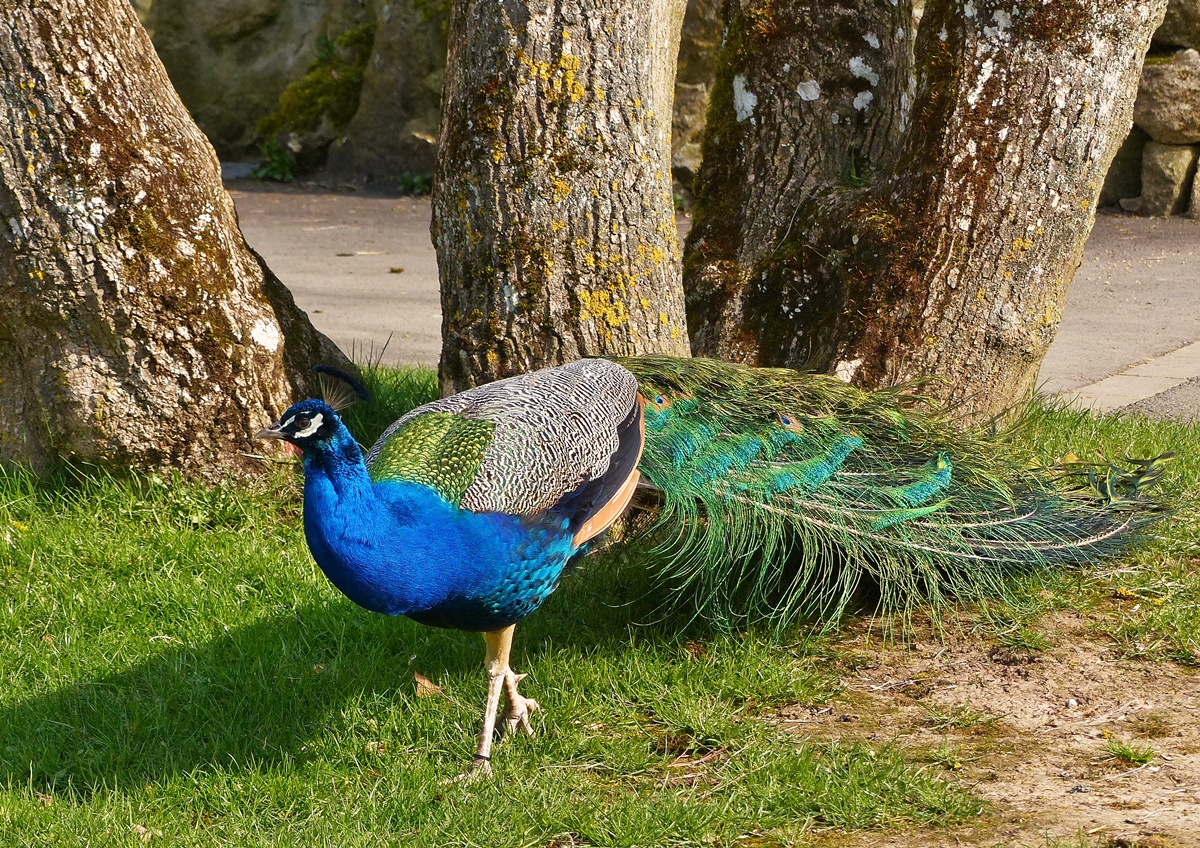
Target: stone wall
1154, 172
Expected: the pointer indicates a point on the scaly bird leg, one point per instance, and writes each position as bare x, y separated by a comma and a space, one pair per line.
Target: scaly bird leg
519, 707
498, 646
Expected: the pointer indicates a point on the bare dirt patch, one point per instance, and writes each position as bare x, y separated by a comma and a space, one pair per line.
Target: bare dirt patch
1039, 735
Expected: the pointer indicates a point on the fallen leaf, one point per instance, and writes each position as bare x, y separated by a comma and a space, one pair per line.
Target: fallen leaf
426, 688
145, 834
696, 649
375, 747
395, 270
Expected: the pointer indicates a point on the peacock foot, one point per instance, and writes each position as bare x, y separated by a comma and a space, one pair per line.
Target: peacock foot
479, 770
519, 707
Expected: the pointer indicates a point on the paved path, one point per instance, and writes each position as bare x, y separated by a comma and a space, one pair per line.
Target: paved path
1130, 334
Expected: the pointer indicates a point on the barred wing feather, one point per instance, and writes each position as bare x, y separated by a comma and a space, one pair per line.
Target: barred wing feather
520, 445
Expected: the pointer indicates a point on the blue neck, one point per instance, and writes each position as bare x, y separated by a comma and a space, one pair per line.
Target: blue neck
395, 548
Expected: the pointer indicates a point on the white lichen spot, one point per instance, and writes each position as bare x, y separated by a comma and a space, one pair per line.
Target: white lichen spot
94, 153
999, 32
969, 9
899, 33
862, 70
964, 223
835, 117
872, 39
943, 35
846, 369
139, 197
862, 100
744, 100
266, 334
809, 90
854, 239
985, 74
787, 67
1003, 134
185, 247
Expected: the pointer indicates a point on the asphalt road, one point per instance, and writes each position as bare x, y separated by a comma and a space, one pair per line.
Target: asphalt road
364, 269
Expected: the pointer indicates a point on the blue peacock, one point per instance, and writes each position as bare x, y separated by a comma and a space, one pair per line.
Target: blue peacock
777, 496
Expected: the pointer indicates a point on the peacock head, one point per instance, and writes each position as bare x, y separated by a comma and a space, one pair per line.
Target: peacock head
308, 425
313, 425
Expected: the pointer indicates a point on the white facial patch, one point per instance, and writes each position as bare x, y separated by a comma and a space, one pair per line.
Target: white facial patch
313, 426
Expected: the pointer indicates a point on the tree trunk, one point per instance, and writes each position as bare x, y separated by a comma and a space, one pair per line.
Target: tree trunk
889, 212
138, 329
552, 211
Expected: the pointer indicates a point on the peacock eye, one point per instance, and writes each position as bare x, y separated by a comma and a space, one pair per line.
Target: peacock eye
785, 421
660, 400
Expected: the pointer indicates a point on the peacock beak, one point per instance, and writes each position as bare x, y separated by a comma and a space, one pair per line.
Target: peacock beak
272, 432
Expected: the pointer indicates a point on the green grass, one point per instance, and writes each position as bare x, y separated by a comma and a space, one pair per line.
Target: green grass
1128, 753
174, 666
1149, 601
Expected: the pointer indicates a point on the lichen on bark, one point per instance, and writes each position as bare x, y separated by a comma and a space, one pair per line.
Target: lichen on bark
935, 233
139, 330
553, 217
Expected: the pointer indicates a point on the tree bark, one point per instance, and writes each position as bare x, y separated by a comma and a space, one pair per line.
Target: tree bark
138, 329
552, 211
921, 208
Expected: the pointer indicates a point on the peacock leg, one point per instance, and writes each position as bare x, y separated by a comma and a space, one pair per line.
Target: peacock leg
501, 679
497, 645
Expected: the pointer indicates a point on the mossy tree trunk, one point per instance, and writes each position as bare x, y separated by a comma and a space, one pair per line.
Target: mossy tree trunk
887, 202
552, 211
137, 328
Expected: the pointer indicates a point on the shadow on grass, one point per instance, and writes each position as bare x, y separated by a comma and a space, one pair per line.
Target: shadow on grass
277, 690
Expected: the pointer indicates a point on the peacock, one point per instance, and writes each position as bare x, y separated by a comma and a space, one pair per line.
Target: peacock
776, 496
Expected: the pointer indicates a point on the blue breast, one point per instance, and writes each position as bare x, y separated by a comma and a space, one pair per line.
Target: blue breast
398, 548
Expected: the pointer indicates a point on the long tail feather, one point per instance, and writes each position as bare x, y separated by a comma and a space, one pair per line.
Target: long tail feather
783, 494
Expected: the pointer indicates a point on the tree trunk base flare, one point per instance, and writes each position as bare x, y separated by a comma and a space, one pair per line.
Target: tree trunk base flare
138, 329
890, 201
552, 210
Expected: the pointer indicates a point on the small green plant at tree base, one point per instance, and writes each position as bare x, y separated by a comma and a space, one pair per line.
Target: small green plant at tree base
1133, 755
416, 185
278, 163
1023, 638
947, 756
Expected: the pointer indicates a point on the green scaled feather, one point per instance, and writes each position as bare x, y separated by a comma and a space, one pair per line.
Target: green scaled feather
439, 449
785, 494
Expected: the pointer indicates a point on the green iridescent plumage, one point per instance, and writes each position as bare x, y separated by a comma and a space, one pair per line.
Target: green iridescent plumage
440, 449
783, 493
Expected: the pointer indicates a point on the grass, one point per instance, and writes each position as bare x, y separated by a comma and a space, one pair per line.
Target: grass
1149, 601
173, 666
1128, 753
